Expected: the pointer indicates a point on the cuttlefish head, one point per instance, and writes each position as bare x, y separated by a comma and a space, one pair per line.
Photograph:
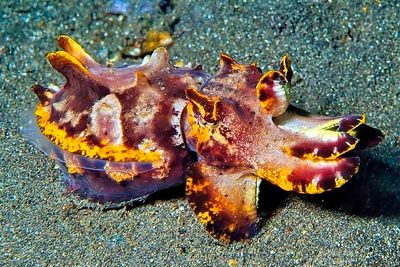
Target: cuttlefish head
226, 130
219, 130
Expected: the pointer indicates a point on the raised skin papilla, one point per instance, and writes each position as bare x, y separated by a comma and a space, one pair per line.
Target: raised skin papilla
239, 125
115, 130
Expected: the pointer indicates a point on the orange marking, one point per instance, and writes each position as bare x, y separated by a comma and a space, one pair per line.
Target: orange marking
216, 208
205, 218
119, 153
278, 176
206, 105
194, 188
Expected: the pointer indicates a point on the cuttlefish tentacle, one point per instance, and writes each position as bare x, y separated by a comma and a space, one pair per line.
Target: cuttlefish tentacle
312, 163
223, 144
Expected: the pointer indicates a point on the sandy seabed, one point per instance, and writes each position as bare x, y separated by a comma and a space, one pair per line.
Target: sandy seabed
346, 59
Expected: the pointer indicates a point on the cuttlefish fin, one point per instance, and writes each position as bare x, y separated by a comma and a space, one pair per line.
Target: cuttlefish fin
225, 201
273, 89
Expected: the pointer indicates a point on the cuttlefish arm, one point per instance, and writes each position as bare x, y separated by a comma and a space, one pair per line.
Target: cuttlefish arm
300, 121
224, 201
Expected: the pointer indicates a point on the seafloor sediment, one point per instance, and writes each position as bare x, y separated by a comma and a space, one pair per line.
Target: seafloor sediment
346, 58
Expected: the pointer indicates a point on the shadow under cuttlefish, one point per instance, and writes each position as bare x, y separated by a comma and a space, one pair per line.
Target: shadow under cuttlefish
374, 191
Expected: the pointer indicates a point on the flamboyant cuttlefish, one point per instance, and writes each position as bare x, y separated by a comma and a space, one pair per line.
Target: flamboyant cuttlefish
123, 133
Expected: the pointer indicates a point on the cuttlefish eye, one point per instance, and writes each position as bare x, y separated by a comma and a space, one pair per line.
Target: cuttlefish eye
206, 106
